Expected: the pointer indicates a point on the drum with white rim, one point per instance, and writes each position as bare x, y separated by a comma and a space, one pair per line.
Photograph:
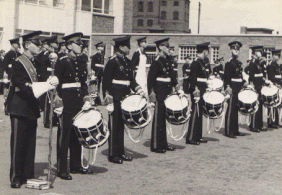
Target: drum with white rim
213, 106
270, 96
215, 84
248, 101
90, 128
177, 109
135, 112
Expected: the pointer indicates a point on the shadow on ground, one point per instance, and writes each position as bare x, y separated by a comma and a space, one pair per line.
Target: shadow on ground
129, 152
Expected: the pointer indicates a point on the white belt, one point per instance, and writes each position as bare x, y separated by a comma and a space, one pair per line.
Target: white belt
121, 82
237, 80
99, 65
187, 70
175, 69
186, 77
49, 69
278, 76
221, 71
70, 85
10, 66
258, 75
164, 79
207, 69
202, 79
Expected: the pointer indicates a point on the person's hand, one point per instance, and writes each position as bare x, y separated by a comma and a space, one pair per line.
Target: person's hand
141, 93
53, 80
251, 87
86, 106
228, 90
268, 82
152, 97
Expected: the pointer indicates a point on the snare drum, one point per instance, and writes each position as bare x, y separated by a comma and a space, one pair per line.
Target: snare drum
213, 104
135, 112
270, 96
177, 109
216, 84
90, 128
248, 102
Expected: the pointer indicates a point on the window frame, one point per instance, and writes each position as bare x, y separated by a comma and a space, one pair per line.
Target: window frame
163, 3
150, 6
150, 20
140, 23
163, 12
175, 3
175, 13
140, 6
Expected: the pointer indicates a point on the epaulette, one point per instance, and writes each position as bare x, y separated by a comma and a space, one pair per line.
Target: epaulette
63, 57
229, 59
113, 57
195, 59
45, 52
157, 58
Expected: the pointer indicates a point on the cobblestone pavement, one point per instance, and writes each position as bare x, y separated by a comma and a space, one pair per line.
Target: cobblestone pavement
247, 165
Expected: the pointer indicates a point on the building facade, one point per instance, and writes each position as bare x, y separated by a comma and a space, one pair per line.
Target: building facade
61, 17
246, 30
168, 16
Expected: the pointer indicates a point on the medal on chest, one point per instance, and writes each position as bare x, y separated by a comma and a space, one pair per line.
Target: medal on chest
76, 79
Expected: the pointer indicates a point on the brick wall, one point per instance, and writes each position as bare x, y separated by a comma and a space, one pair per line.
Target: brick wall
102, 24
128, 15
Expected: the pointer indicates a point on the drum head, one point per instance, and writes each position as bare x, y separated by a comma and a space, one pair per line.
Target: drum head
269, 90
175, 102
87, 119
247, 96
133, 103
216, 83
213, 97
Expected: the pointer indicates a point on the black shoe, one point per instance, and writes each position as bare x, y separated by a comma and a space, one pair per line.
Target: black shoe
115, 159
47, 126
80, 170
255, 130
231, 136
193, 142
125, 158
272, 127
279, 126
65, 176
170, 148
240, 134
263, 129
158, 150
16, 185
203, 140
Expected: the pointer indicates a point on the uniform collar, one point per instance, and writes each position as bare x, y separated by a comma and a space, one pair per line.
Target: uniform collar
73, 57
30, 57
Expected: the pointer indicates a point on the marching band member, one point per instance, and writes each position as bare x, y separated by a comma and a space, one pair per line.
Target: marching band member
72, 89
263, 63
186, 68
24, 111
97, 65
62, 49
257, 79
233, 81
118, 82
139, 61
2, 54
161, 82
9, 58
175, 66
83, 57
218, 69
247, 68
274, 75
199, 75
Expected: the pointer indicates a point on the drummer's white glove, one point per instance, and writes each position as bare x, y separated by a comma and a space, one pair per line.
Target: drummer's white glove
228, 90
141, 92
53, 80
268, 82
227, 97
86, 106
251, 87
212, 77
5, 74
208, 89
181, 92
152, 97
196, 94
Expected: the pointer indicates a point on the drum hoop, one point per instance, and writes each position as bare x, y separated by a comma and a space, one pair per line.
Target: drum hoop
188, 103
136, 111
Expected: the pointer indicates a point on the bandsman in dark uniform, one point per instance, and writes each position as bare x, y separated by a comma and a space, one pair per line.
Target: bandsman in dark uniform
218, 69
72, 89
247, 68
200, 71
2, 54
118, 83
233, 83
274, 75
257, 79
97, 65
24, 111
9, 58
263, 63
186, 69
161, 83
62, 49
83, 57
175, 66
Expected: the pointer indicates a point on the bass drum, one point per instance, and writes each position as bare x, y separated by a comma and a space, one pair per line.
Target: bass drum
248, 102
213, 104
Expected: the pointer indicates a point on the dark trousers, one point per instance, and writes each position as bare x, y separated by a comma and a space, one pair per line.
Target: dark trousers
231, 116
186, 86
195, 130
46, 119
158, 137
116, 127
276, 116
23, 142
67, 139
256, 118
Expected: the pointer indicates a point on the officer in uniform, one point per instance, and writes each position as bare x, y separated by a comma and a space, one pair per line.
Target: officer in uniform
233, 83
62, 49
274, 75
118, 83
83, 57
72, 89
161, 81
139, 61
218, 69
186, 68
199, 75
257, 79
97, 65
24, 111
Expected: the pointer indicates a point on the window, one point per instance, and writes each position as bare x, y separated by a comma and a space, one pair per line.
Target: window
140, 22
176, 3
150, 6
163, 15
151, 53
58, 3
163, 3
140, 6
86, 5
185, 17
149, 22
214, 54
175, 15
38, 2
187, 50
98, 6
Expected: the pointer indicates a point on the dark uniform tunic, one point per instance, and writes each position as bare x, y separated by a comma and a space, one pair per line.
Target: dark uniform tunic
97, 64
24, 111
233, 77
274, 75
61, 54
161, 79
118, 82
257, 78
83, 58
1, 74
200, 70
218, 71
186, 68
70, 72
